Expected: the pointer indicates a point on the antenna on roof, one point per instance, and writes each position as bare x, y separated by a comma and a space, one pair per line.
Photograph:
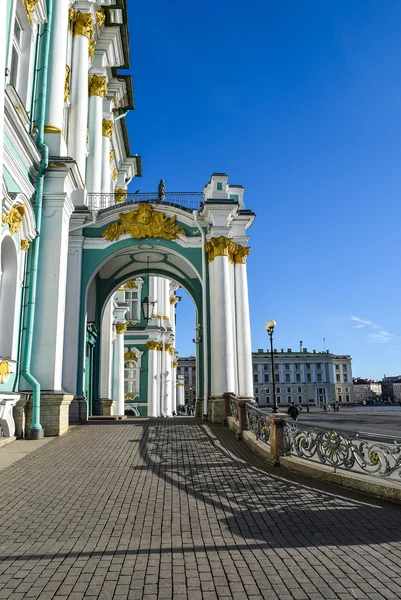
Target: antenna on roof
300, 345
324, 344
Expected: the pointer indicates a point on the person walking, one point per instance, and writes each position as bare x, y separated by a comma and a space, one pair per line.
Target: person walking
293, 412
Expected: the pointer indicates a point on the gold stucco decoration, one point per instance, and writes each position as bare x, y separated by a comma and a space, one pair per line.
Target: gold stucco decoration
112, 155
121, 327
120, 194
220, 246
100, 17
174, 364
30, 7
130, 285
71, 19
14, 218
83, 25
240, 254
97, 85
144, 222
174, 300
107, 128
129, 396
154, 346
91, 49
114, 174
4, 371
67, 83
130, 355
25, 245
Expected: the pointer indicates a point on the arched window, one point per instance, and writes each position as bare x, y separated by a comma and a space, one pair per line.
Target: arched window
132, 373
8, 295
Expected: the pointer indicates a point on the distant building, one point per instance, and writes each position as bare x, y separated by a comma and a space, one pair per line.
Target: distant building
366, 389
302, 377
397, 390
388, 391
187, 369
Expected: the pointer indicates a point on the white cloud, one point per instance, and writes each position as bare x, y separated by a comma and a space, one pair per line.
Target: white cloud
381, 336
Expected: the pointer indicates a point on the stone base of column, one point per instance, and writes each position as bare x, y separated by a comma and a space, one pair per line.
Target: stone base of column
217, 409
107, 406
35, 434
19, 412
54, 414
199, 408
78, 410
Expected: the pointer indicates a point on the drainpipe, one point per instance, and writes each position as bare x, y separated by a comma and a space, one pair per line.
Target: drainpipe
204, 325
123, 114
35, 430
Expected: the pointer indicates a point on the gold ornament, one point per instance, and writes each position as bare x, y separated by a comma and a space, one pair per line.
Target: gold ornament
174, 364
220, 246
107, 128
83, 25
142, 223
71, 19
100, 17
240, 254
112, 155
4, 371
67, 83
130, 285
174, 300
114, 174
120, 194
14, 218
154, 346
121, 327
91, 49
129, 396
97, 85
129, 355
25, 245
30, 7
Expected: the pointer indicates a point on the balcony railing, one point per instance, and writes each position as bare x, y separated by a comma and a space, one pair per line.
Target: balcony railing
186, 200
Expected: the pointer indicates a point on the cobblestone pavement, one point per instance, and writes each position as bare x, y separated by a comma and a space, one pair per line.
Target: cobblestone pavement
174, 509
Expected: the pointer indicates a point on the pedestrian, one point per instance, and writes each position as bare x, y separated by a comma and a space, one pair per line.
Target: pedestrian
293, 412
325, 408
328, 407
307, 408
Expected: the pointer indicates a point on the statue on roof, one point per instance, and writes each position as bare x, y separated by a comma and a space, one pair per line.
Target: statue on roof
161, 191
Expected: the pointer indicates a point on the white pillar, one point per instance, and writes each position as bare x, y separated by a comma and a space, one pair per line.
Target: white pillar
83, 33
119, 368
243, 325
54, 137
221, 318
180, 394
107, 132
106, 334
234, 323
97, 91
2, 83
174, 384
152, 379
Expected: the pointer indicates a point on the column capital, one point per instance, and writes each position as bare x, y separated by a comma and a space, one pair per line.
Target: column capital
221, 246
107, 128
154, 346
84, 25
100, 17
97, 85
30, 7
121, 328
240, 254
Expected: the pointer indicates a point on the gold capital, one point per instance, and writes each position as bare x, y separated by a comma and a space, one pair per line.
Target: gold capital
83, 25
240, 254
25, 245
121, 327
120, 194
67, 83
14, 218
100, 17
174, 364
154, 346
97, 85
4, 371
30, 7
129, 355
220, 246
107, 128
130, 285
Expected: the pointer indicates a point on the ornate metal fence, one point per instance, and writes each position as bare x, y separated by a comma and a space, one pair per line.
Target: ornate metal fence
233, 408
256, 422
345, 449
185, 200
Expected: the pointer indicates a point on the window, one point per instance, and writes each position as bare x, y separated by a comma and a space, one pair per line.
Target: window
266, 378
345, 376
278, 399
289, 398
257, 398
319, 377
308, 367
277, 377
16, 54
297, 366
131, 378
287, 366
338, 378
300, 399
255, 368
337, 367
255, 378
234, 197
287, 378
347, 389
298, 377
340, 398
308, 378
299, 390
347, 397
256, 390
345, 367
267, 399
288, 390
131, 297
339, 390
219, 186
318, 366
278, 390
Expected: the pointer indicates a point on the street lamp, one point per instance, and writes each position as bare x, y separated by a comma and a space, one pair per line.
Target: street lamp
147, 303
270, 328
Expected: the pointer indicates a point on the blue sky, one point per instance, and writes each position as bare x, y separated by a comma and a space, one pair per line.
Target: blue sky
300, 102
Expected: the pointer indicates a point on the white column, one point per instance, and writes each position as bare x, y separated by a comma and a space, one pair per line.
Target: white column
152, 379
119, 370
97, 91
106, 334
54, 137
107, 132
83, 33
234, 323
243, 325
221, 318
180, 394
48, 340
2, 82
174, 384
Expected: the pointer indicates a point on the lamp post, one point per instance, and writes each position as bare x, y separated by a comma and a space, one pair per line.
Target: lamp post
270, 328
147, 303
